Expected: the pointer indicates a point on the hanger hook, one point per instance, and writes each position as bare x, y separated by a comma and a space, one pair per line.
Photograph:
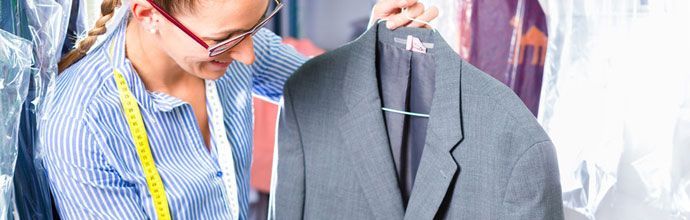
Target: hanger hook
404, 12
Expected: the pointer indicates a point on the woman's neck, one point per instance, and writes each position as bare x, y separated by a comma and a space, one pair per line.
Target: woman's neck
156, 69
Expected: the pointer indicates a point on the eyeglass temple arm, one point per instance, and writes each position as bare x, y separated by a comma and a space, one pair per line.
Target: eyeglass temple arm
178, 24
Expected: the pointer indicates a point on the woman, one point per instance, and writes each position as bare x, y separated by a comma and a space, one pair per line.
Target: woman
149, 125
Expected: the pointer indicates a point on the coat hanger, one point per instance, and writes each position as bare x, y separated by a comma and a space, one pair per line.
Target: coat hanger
405, 113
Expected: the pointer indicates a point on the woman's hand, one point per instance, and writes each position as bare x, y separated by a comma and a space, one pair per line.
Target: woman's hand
391, 10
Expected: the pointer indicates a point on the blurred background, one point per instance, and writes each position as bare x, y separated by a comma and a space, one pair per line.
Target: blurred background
607, 79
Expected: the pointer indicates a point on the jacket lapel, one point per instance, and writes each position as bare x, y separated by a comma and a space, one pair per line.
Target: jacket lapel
364, 130
437, 167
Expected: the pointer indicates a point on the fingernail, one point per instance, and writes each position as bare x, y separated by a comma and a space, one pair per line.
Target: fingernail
402, 2
389, 25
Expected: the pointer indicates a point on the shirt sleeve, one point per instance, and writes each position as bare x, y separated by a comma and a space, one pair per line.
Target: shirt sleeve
275, 62
84, 184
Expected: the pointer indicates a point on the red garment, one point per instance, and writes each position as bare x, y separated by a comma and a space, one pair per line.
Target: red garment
265, 122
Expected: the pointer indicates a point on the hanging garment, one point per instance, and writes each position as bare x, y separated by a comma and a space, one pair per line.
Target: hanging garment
15, 71
265, 124
74, 27
9, 16
447, 20
484, 155
44, 23
507, 40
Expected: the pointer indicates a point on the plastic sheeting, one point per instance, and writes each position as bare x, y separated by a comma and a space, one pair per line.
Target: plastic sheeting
616, 104
46, 25
507, 40
447, 21
15, 70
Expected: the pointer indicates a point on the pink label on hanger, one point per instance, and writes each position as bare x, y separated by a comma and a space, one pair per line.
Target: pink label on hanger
415, 45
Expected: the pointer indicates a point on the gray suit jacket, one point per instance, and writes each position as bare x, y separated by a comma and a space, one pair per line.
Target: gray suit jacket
485, 155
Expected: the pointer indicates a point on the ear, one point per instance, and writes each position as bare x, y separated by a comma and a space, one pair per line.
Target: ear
144, 13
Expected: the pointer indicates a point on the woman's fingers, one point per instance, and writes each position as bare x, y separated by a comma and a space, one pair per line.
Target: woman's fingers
402, 18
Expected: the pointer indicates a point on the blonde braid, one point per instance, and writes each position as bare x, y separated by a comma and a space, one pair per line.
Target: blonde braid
107, 12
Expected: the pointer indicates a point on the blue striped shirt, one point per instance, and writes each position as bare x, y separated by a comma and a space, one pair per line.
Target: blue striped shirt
90, 157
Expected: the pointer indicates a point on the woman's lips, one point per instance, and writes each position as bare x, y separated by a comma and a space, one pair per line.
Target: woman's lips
218, 65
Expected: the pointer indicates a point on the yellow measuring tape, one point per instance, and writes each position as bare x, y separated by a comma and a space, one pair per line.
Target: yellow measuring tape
141, 141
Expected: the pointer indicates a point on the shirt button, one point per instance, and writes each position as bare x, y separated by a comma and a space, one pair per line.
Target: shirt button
219, 174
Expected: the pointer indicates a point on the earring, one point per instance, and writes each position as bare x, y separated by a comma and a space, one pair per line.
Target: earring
153, 28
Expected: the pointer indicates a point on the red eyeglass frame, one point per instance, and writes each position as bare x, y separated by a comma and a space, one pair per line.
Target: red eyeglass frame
224, 45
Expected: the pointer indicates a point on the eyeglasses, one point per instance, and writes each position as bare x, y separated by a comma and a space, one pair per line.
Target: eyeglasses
224, 45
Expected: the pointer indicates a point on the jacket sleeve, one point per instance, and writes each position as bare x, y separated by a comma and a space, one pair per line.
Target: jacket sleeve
289, 181
534, 189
